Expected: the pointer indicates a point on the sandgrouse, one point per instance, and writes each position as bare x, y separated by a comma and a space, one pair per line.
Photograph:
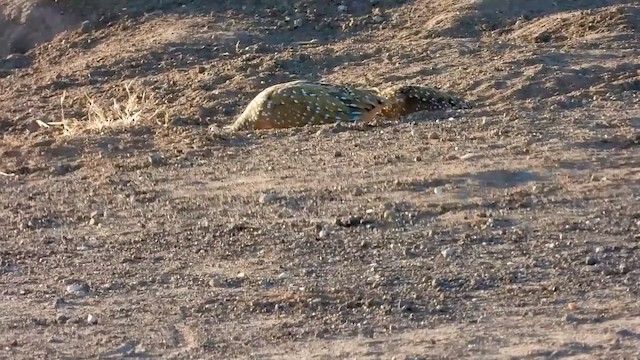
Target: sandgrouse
300, 103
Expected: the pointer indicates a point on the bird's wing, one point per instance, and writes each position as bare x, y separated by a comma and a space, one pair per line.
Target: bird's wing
322, 103
300, 103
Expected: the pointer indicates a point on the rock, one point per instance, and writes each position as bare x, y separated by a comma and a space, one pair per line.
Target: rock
92, 320
59, 302
410, 253
63, 169
75, 320
86, 26
348, 221
543, 37
591, 260
433, 136
216, 281
323, 234
448, 253
15, 61
624, 269
439, 283
626, 333
127, 349
470, 156
343, 8
570, 318
155, 160
39, 322
78, 288
62, 319
268, 198
390, 215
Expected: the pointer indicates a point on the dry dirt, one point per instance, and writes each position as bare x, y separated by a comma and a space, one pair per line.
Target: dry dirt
510, 230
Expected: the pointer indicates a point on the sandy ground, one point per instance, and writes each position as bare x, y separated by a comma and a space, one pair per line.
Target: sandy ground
506, 231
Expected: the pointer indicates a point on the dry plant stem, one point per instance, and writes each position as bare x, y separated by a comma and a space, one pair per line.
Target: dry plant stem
99, 118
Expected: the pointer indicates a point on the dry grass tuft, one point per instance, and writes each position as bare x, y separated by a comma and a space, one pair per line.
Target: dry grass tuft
134, 110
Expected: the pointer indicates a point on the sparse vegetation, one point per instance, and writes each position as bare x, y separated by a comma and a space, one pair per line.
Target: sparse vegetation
135, 109
509, 230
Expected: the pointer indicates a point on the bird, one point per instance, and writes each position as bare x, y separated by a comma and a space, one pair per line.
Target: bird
300, 102
402, 100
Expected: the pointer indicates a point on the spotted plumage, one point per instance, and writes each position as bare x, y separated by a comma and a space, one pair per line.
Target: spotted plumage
403, 100
300, 103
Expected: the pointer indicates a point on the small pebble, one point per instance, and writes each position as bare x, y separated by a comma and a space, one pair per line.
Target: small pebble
267, 198
92, 320
470, 156
342, 8
62, 319
570, 318
323, 234
624, 269
591, 260
438, 283
448, 253
155, 159
86, 26
216, 282
390, 215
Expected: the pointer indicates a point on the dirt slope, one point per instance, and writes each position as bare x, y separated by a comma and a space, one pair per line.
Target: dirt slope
509, 230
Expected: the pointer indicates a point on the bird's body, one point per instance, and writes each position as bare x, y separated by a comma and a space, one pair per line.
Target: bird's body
300, 103
402, 100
